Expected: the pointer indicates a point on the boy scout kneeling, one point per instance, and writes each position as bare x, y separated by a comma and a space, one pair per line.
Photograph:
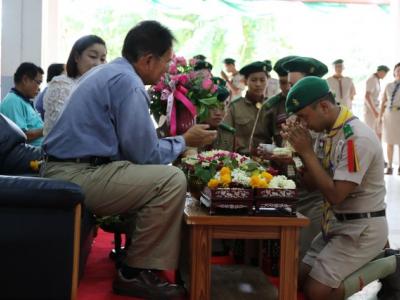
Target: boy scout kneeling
347, 167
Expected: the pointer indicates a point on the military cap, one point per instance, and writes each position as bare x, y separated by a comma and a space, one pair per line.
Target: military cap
307, 65
254, 67
268, 63
201, 65
305, 92
200, 57
383, 68
229, 61
278, 65
338, 62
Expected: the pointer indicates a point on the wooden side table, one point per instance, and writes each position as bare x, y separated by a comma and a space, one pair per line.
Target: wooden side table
203, 228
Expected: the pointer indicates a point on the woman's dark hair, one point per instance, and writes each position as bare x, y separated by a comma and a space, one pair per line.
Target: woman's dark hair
28, 69
54, 70
80, 45
147, 37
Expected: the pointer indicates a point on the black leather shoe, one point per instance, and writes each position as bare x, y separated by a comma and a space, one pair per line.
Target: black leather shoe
147, 285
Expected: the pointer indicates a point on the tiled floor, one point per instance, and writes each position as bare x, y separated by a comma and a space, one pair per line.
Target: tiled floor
393, 211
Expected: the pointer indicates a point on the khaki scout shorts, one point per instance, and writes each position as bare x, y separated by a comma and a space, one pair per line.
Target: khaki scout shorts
352, 244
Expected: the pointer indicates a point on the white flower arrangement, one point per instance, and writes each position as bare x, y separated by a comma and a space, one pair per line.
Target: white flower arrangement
281, 182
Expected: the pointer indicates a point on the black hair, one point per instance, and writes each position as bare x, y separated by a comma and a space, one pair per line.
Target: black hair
79, 46
147, 37
54, 70
28, 69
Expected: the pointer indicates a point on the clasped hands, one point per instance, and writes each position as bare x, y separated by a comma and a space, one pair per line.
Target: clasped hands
298, 135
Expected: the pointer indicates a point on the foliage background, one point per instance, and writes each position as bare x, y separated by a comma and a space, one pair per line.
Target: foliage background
246, 30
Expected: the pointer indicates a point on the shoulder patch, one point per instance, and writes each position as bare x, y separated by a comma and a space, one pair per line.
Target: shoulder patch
348, 131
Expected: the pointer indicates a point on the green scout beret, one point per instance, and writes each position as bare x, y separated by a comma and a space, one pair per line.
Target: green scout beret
338, 62
229, 61
383, 68
307, 65
278, 65
254, 67
200, 57
201, 65
306, 91
268, 63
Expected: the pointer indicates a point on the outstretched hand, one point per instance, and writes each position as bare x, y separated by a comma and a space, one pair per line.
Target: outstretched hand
198, 135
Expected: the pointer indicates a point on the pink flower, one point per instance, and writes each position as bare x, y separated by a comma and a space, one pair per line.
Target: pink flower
183, 79
214, 88
159, 86
180, 61
206, 84
173, 69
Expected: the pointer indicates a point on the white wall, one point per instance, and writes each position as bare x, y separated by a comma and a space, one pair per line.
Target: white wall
21, 37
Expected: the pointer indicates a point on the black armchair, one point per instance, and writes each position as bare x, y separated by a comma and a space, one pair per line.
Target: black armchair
44, 241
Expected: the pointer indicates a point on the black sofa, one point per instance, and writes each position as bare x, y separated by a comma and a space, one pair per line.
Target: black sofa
45, 232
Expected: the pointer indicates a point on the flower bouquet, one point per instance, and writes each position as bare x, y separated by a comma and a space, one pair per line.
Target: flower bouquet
182, 96
233, 182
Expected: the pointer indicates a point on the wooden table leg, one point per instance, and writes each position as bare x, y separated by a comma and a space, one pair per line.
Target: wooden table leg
200, 271
289, 263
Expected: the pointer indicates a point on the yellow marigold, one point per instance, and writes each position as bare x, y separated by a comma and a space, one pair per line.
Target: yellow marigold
267, 176
255, 181
225, 171
213, 183
226, 179
263, 183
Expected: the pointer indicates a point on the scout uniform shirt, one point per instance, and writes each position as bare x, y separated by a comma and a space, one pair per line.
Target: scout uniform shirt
351, 243
268, 125
344, 89
374, 88
241, 115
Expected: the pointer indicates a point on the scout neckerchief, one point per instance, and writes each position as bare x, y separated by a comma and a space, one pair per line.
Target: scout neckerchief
339, 79
341, 122
396, 88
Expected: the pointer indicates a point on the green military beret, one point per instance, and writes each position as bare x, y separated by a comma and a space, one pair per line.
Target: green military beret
307, 65
305, 92
229, 61
254, 67
268, 63
383, 68
200, 57
201, 65
338, 62
278, 65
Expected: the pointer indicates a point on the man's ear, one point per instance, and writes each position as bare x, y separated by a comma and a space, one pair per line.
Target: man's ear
325, 105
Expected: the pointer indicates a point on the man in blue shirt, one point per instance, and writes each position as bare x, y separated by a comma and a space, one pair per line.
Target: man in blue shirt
105, 141
18, 106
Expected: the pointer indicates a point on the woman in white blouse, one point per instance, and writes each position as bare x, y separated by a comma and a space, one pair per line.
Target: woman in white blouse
390, 115
87, 52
